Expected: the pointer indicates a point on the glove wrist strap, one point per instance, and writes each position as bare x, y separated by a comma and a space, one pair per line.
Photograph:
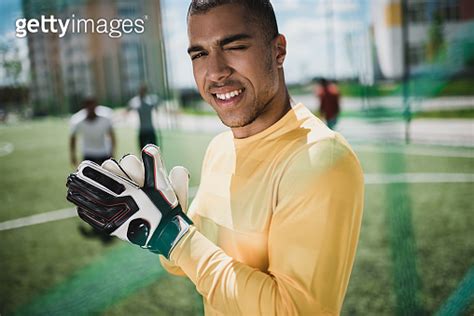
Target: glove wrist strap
167, 236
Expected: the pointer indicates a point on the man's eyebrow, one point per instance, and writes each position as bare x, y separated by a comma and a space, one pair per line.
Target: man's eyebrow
195, 48
222, 42
233, 38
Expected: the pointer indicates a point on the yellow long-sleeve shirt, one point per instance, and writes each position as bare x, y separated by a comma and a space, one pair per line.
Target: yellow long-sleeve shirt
277, 218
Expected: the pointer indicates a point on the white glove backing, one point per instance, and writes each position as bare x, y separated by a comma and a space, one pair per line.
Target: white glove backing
134, 201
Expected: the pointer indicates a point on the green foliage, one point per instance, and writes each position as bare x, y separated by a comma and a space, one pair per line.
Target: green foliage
13, 69
435, 38
447, 114
381, 113
458, 87
355, 89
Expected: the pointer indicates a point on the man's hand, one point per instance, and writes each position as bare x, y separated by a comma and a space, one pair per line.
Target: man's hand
132, 200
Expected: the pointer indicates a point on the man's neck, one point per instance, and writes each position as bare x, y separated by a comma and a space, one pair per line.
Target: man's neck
272, 113
91, 117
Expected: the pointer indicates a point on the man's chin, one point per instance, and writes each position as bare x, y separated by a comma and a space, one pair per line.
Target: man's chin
236, 122
232, 124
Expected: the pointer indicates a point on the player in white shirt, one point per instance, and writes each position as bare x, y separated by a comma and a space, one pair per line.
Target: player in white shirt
93, 125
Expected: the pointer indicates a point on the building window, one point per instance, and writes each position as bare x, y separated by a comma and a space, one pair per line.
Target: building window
423, 11
417, 12
450, 10
416, 54
447, 10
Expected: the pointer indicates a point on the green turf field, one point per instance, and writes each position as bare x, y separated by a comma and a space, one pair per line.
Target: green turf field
415, 256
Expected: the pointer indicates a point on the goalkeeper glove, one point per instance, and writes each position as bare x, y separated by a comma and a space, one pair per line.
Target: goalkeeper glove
133, 201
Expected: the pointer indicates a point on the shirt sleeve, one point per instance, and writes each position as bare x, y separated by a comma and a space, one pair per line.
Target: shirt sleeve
312, 241
134, 103
154, 100
73, 126
109, 124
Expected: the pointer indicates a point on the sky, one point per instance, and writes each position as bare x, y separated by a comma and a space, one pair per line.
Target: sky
10, 10
307, 25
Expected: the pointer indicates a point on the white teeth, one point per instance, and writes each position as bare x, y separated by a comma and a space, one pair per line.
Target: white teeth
228, 95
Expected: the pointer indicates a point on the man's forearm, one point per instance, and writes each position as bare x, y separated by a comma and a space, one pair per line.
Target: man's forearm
232, 287
72, 150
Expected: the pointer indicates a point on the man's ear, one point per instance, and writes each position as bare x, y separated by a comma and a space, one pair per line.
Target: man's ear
280, 45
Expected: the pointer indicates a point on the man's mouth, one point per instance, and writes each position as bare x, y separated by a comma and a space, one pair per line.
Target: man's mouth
228, 95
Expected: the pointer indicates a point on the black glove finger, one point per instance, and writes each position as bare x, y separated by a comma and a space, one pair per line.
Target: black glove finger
157, 185
152, 162
103, 179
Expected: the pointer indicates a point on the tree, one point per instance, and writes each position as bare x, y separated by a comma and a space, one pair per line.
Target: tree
10, 62
435, 38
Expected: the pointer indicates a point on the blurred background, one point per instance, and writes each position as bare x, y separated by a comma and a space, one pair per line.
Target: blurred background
404, 73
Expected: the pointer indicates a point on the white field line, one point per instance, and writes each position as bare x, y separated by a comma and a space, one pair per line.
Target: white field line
38, 219
384, 178
431, 152
52, 216
370, 178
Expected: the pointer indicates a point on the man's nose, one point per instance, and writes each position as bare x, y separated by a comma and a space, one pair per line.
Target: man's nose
217, 67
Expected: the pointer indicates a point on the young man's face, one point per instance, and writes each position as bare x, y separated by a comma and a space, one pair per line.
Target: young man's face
235, 66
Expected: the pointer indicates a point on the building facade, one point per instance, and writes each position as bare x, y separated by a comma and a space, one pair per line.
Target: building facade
439, 32
87, 62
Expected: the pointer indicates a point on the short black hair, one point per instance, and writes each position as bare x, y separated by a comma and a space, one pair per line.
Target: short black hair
261, 11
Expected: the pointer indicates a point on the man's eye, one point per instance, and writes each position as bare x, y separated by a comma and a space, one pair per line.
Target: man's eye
239, 47
198, 55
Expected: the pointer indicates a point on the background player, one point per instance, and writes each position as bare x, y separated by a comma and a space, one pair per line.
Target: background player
93, 125
145, 104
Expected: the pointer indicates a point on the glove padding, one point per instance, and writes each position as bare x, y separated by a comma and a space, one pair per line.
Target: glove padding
133, 201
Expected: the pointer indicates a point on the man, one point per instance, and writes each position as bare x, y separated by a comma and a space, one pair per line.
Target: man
328, 95
274, 225
144, 104
94, 126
